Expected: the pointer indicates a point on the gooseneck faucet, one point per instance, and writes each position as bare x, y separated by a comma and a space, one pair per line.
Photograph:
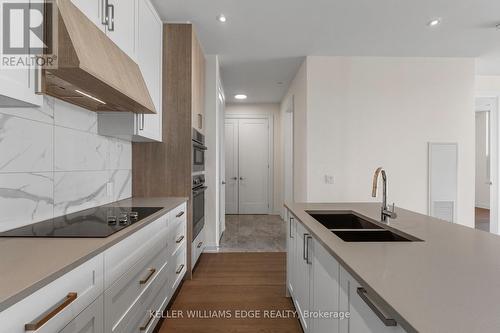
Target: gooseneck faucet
384, 211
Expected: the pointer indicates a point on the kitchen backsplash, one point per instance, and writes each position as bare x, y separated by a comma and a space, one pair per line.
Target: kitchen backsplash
53, 162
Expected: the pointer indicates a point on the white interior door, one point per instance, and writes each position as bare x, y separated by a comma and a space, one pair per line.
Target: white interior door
483, 179
253, 151
231, 165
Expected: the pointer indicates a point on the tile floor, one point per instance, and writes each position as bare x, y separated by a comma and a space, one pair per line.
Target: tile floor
254, 233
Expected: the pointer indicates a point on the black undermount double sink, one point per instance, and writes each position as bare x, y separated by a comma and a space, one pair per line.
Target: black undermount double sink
352, 228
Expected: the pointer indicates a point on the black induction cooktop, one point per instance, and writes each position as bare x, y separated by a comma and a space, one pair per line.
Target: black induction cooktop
99, 222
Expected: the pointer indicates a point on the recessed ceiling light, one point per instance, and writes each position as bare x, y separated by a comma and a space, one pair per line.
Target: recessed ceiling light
434, 22
221, 18
240, 96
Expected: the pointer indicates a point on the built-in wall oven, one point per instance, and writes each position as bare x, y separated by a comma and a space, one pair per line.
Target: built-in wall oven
198, 204
198, 151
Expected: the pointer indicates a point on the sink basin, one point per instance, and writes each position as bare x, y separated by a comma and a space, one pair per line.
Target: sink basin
342, 221
370, 236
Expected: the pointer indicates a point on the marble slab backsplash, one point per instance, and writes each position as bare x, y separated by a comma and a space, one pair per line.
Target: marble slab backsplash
53, 162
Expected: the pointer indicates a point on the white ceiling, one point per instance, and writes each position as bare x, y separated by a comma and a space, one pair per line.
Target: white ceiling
264, 41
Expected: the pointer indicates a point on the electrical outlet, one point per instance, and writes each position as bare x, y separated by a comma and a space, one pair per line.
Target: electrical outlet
328, 179
109, 189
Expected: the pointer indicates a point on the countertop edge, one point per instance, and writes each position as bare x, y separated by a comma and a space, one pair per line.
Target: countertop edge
373, 293
119, 236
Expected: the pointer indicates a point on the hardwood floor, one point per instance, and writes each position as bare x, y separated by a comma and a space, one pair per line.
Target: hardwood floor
226, 284
482, 219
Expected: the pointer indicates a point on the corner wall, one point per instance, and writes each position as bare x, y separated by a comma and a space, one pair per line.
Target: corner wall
365, 112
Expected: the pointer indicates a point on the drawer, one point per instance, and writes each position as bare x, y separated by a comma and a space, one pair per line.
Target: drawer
120, 257
124, 292
179, 214
90, 320
177, 236
178, 269
139, 314
197, 247
58, 303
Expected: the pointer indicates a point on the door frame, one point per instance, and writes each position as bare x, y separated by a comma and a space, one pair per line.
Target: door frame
494, 158
270, 121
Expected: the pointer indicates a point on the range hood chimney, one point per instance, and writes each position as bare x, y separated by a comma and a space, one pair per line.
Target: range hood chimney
92, 71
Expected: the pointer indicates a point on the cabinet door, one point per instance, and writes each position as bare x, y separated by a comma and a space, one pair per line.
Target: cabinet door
198, 85
290, 254
362, 317
93, 9
122, 24
301, 278
149, 57
324, 289
91, 320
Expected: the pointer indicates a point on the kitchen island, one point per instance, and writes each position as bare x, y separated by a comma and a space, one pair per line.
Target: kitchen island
445, 280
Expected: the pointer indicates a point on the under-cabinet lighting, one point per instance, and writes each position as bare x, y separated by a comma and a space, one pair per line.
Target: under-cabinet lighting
90, 96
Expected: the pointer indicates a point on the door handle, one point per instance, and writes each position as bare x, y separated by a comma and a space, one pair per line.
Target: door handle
104, 14
223, 183
304, 246
308, 237
376, 309
42, 319
111, 21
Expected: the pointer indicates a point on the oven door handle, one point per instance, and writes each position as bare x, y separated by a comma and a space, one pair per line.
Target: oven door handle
199, 190
199, 146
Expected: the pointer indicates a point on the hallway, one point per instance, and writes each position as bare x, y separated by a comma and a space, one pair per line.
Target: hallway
254, 233
226, 284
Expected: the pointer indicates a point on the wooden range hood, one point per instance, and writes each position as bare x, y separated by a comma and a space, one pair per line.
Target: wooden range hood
88, 61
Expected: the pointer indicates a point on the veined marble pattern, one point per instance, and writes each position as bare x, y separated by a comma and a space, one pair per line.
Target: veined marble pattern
25, 145
74, 191
253, 233
25, 197
72, 116
43, 114
53, 162
76, 150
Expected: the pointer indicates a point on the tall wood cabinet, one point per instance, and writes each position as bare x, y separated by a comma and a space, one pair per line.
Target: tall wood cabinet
164, 168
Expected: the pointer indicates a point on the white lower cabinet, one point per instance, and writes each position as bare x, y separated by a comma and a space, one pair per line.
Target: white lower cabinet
91, 320
197, 247
324, 293
113, 292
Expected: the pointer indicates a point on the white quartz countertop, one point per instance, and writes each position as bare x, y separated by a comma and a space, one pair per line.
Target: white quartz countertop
450, 282
28, 264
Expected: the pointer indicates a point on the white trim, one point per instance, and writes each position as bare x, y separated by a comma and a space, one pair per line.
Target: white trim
270, 117
494, 159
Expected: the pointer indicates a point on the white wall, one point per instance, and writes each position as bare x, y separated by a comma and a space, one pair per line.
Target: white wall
298, 91
53, 162
365, 112
212, 138
274, 111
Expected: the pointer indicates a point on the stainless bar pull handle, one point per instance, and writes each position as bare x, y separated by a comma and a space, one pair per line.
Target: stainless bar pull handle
304, 246
307, 250
179, 239
111, 20
141, 121
145, 326
104, 14
150, 274
376, 309
180, 214
52, 312
179, 270
291, 236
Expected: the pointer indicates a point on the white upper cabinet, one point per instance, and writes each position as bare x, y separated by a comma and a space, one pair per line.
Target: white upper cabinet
18, 88
94, 10
147, 40
122, 24
149, 57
